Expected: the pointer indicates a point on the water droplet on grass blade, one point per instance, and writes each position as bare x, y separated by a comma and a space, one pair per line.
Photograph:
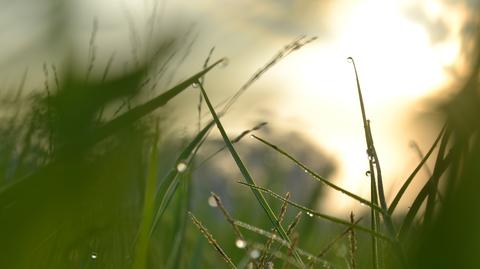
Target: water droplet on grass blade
350, 59
93, 255
195, 85
240, 243
368, 173
310, 214
212, 202
225, 62
254, 254
181, 167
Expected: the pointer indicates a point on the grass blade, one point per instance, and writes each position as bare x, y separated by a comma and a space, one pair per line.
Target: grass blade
261, 200
312, 213
317, 176
405, 185
142, 110
141, 246
423, 194
170, 181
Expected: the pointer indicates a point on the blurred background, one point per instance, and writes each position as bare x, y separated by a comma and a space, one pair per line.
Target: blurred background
410, 55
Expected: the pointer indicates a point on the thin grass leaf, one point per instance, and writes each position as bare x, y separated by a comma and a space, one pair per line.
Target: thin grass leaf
281, 217
234, 141
175, 258
276, 238
420, 154
141, 246
431, 201
212, 241
142, 110
377, 191
371, 158
352, 243
423, 194
312, 213
317, 176
170, 181
261, 200
405, 185
110, 128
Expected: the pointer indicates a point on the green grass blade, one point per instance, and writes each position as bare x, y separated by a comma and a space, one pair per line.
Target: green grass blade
141, 246
409, 180
142, 110
317, 176
312, 213
423, 194
170, 182
261, 200
111, 127
431, 201
175, 258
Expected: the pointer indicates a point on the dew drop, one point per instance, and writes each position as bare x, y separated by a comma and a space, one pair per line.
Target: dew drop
195, 85
225, 62
368, 173
240, 243
362, 204
93, 255
310, 214
350, 59
181, 167
254, 254
212, 202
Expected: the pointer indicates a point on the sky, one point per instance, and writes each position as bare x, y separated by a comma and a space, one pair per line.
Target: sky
406, 52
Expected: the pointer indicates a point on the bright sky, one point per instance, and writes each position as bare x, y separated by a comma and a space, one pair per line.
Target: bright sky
402, 49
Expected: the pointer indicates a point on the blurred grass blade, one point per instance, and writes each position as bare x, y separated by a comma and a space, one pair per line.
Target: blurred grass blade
141, 246
111, 127
175, 258
431, 200
318, 177
405, 185
142, 110
312, 213
212, 241
261, 200
423, 194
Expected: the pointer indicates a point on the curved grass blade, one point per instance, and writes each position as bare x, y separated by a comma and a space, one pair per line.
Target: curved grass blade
405, 185
170, 182
423, 194
317, 176
312, 213
142, 110
248, 178
113, 126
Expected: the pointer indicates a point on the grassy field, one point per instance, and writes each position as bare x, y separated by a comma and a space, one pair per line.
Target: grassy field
92, 176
